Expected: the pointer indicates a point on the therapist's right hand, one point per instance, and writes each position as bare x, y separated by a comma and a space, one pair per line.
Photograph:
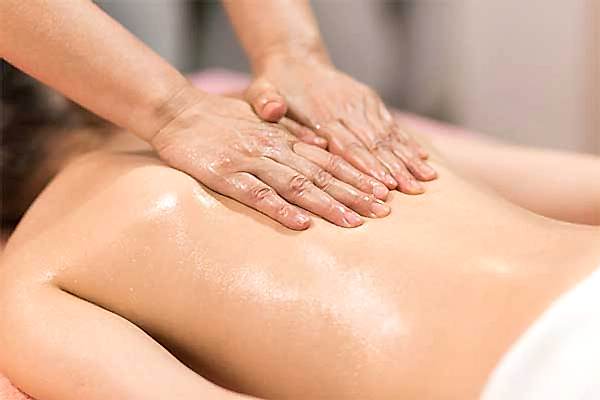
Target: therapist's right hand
223, 144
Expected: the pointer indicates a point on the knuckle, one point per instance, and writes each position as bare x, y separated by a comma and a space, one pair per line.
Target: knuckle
222, 162
334, 162
359, 200
362, 180
273, 152
298, 185
283, 211
381, 144
323, 179
261, 194
387, 134
402, 137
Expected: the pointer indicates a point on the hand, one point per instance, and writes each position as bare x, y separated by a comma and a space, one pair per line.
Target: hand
221, 142
348, 114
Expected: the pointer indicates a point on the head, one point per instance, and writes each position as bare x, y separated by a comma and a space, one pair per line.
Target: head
40, 132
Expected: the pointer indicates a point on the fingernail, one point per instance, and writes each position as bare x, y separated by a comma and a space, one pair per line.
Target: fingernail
380, 191
379, 175
380, 209
303, 220
415, 186
273, 109
427, 170
390, 182
351, 219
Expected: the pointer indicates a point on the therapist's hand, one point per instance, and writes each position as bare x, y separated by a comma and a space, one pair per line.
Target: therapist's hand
348, 114
221, 142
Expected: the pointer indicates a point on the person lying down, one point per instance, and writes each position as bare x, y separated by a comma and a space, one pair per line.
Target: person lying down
180, 293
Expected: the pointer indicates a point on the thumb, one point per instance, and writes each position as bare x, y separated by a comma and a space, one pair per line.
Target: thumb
268, 104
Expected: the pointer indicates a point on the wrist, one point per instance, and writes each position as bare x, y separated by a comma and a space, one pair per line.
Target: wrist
164, 110
291, 53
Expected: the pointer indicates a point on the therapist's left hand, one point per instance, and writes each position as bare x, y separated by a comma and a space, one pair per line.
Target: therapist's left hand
346, 113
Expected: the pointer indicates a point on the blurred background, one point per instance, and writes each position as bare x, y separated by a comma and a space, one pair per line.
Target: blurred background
524, 71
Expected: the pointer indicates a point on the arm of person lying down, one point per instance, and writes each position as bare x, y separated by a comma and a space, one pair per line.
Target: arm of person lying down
79, 351
552, 183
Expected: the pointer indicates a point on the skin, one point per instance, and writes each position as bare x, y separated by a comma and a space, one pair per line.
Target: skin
424, 311
294, 76
87, 56
519, 174
265, 165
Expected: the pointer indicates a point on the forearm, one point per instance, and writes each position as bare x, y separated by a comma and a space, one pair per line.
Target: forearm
86, 352
275, 28
556, 184
76, 48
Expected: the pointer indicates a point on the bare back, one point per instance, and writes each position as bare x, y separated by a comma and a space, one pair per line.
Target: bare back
409, 305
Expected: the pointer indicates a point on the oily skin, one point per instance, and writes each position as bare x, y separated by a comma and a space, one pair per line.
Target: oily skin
294, 76
87, 56
264, 165
326, 313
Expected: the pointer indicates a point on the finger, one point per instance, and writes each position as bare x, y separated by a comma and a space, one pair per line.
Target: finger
361, 202
424, 154
368, 131
342, 170
406, 182
303, 133
378, 118
402, 145
299, 190
405, 137
415, 164
250, 191
343, 143
402, 134
267, 102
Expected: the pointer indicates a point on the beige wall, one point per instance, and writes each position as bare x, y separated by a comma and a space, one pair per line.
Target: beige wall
525, 71
594, 73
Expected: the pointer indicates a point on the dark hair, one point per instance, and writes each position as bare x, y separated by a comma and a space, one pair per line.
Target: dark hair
31, 114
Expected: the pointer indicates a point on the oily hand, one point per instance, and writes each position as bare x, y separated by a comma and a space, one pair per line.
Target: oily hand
346, 113
222, 143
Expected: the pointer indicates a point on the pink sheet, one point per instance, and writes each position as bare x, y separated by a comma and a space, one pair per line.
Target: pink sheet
9, 392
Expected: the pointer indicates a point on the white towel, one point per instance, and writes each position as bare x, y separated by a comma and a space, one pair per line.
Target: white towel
558, 357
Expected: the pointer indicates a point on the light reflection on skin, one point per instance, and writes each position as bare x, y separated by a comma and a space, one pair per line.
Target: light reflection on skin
360, 303
497, 267
348, 298
204, 198
165, 203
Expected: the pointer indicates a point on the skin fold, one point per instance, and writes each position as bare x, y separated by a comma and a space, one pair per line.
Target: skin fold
129, 280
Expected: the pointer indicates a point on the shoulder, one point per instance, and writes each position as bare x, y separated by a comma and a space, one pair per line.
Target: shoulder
138, 176
102, 196
133, 183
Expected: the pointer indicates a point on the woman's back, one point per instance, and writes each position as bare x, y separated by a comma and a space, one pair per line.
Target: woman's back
409, 305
